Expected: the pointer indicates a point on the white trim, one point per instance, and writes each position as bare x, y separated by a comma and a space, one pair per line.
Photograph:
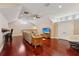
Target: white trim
54, 37
17, 35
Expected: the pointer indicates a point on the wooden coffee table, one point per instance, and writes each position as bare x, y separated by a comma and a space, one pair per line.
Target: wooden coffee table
37, 41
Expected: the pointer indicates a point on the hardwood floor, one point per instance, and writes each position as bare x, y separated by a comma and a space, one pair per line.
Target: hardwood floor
51, 47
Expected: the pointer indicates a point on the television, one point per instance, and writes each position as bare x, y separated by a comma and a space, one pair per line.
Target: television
46, 30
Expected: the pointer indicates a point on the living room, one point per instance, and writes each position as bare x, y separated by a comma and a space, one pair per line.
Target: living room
52, 28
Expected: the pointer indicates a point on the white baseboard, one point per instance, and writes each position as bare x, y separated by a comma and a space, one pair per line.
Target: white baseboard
1, 48
53, 37
17, 35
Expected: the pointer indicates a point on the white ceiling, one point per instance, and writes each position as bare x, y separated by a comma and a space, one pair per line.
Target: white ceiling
10, 10
52, 9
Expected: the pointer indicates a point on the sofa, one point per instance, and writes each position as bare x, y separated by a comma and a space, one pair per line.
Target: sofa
74, 41
27, 35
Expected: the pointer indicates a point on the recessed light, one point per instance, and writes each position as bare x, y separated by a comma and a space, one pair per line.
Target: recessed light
23, 22
59, 6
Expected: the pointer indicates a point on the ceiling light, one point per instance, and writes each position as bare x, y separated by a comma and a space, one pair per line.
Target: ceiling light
23, 22
34, 18
70, 17
59, 6
77, 16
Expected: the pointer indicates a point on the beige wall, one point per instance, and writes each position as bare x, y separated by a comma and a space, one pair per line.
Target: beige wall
65, 28
60, 29
76, 27
40, 23
68, 28
54, 29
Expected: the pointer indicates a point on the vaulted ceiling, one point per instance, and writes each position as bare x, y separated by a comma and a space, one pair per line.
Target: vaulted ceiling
12, 11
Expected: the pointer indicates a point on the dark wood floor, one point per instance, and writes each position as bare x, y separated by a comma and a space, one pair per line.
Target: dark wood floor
51, 47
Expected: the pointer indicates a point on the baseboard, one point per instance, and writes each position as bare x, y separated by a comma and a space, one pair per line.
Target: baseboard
1, 48
17, 35
53, 37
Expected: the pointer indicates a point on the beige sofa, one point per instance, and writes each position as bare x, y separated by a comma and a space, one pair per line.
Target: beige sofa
73, 38
74, 41
27, 35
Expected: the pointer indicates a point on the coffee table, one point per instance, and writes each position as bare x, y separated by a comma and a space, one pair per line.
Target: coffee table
37, 41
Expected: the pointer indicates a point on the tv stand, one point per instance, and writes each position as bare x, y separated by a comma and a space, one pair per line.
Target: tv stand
46, 35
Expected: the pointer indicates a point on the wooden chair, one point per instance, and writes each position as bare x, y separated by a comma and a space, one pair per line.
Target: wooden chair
8, 36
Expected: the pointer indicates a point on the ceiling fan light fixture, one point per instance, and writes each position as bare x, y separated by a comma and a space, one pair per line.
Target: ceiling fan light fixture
59, 6
34, 18
25, 12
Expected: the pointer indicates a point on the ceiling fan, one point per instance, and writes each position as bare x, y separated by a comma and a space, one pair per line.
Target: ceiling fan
25, 12
37, 16
34, 16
